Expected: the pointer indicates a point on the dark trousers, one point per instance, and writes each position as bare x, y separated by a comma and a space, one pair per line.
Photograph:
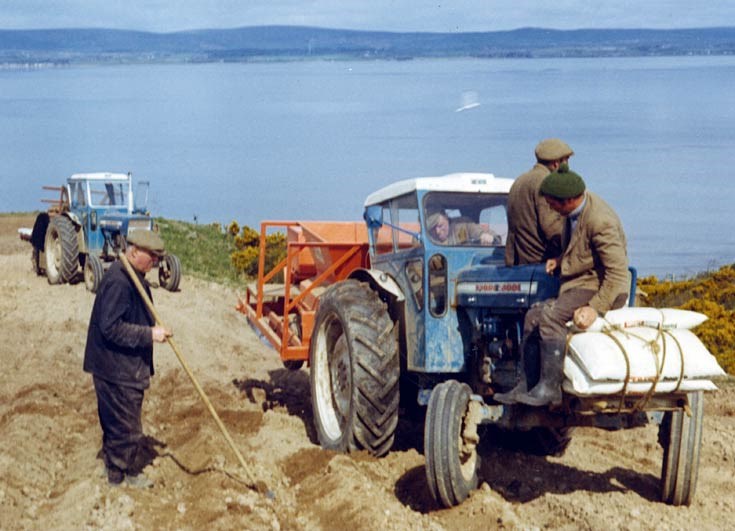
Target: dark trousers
549, 318
119, 408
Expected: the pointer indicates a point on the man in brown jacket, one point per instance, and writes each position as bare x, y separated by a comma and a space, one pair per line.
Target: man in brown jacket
534, 229
593, 271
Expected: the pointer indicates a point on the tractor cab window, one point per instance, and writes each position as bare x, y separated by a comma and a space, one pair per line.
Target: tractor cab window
78, 195
400, 228
464, 219
109, 193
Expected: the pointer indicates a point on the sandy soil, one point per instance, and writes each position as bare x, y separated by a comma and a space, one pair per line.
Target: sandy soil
50, 477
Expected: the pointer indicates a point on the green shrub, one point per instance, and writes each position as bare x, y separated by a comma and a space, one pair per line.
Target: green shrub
227, 255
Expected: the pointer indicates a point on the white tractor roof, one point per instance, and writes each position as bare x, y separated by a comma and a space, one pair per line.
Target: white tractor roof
482, 183
99, 176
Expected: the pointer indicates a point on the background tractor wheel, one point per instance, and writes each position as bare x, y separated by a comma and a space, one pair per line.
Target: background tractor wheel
452, 461
355, 370
169, 272
62, 250
93, 272
680, 435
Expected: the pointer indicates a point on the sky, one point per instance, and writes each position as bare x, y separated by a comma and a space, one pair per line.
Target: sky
388, 15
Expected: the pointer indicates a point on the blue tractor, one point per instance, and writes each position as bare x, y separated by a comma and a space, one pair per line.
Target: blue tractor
432, 326
85, 228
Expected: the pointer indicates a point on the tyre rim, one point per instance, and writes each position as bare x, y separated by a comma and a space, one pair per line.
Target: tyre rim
333, 387
467, 451
88, 273
164, 272
55, 261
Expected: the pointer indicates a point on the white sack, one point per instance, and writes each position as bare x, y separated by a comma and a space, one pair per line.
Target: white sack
666, 318
601, 359
578, 383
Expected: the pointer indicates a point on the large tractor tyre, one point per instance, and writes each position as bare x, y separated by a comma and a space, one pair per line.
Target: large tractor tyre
549, 441
680, 435
355, 370
93, 272
169, 272
450, 444
62, 250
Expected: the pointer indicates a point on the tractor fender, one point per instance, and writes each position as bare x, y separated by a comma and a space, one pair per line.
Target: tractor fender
81, 242
74, 218
379, 281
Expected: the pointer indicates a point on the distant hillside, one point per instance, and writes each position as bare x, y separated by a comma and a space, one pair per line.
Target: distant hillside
293, 42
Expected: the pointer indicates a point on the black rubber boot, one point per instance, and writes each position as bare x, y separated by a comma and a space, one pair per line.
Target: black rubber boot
511, 397
529, 364
548, 390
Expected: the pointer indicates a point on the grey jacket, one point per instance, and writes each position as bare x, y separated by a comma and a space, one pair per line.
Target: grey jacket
596, 256
534, 229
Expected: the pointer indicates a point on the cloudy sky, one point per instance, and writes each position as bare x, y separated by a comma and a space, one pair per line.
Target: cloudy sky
390, 15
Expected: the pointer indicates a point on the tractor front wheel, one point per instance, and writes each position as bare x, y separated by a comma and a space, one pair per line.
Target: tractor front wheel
355, 370
93, 272
62, 250
450, 444
169, 272
680, 435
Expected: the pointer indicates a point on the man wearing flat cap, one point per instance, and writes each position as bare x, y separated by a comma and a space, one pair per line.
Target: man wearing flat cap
534, 229
119, 355
593, 274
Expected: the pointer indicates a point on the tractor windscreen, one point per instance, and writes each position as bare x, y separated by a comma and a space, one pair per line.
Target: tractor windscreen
109, 193
465, 219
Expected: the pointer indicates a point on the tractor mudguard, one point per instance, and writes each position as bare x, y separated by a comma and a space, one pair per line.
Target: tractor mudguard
379, 280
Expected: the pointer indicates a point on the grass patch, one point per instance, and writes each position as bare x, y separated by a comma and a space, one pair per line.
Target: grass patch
204, 250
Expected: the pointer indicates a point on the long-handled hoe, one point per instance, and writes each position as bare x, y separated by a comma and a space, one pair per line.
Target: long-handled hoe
260, 486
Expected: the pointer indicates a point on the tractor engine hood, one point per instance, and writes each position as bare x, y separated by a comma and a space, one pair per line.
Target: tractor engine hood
490, 285
124, 222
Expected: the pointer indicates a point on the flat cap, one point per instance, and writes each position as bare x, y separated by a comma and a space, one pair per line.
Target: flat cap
148, 240
553, 149
562, 184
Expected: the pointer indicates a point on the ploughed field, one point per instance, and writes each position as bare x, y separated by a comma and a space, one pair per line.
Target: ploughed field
50, 437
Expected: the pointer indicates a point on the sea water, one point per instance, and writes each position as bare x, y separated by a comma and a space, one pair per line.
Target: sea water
309, 140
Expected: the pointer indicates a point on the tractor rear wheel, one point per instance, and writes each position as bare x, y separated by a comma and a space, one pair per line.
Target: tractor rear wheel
93, 272
62, 250
450, 444
680, 435
355, 370
169, 272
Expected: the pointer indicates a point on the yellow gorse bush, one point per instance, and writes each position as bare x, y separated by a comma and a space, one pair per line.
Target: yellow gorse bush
244, 258
712, 294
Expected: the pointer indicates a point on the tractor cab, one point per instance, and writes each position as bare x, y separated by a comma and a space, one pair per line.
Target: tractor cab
87, 225
104, 205
422, 233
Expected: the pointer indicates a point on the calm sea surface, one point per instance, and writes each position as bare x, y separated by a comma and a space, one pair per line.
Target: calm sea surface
654, 136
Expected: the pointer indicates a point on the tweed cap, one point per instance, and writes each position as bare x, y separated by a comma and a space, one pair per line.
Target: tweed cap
553, 149
148, 240
562, 184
